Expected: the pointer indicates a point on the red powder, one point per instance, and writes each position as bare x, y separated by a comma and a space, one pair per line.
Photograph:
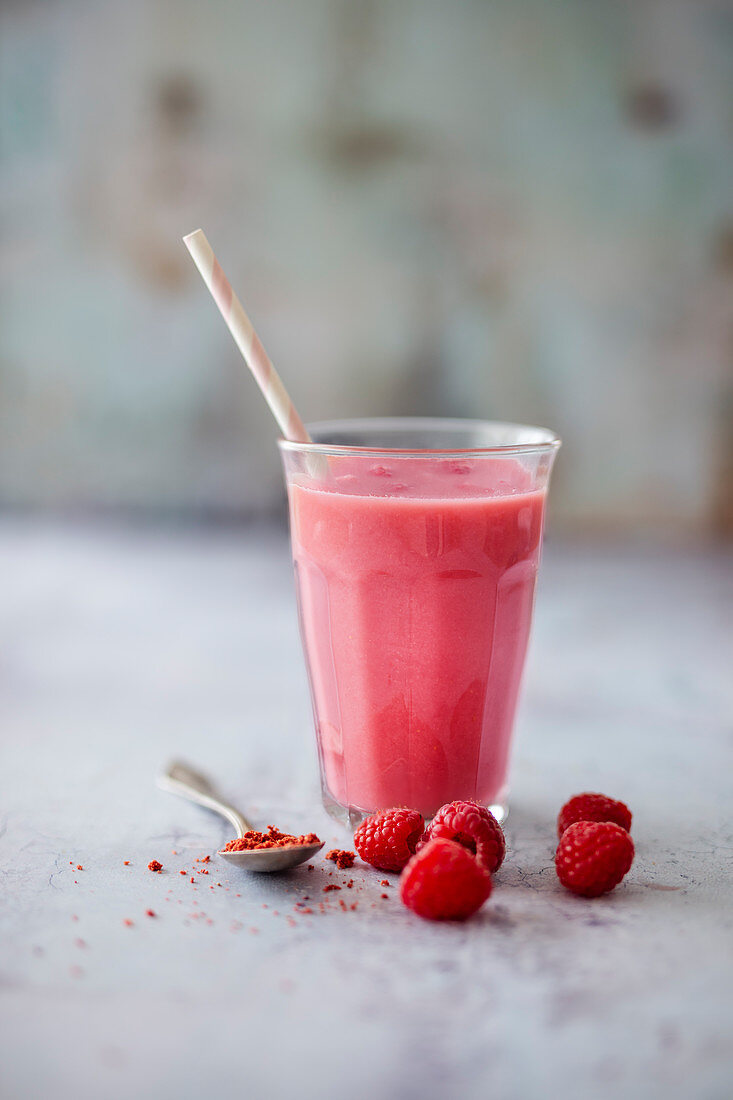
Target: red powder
273, 838
384, 882
331, 886
155, 866
341, 858
126, 862
128, 923
149, 913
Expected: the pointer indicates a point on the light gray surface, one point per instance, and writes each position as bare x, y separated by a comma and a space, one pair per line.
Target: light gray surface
121, 648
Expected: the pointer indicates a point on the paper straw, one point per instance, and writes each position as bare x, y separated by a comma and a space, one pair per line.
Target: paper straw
246, 338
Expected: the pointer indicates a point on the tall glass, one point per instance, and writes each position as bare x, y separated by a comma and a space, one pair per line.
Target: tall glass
416, 545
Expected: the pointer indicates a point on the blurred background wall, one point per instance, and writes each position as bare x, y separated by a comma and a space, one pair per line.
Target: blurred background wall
518, 210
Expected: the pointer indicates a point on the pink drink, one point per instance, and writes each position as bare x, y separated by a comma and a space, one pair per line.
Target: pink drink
415, 579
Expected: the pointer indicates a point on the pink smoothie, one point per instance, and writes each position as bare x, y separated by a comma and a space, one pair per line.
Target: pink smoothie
415, 583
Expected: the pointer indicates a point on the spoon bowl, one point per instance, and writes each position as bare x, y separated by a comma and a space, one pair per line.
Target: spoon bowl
181, 779
272, 859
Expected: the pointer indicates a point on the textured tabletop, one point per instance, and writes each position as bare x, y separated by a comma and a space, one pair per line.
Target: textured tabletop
120, 649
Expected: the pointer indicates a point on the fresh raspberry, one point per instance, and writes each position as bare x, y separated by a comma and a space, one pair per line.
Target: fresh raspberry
475, 828
444, 882
593, 807
389, 838
593, 856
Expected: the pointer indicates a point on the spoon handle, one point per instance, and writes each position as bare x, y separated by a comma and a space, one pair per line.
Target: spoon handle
181, 779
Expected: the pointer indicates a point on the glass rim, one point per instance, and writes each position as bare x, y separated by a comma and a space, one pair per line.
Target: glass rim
546, 440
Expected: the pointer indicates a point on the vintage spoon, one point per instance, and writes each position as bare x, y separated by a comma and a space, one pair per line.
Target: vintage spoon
180, 779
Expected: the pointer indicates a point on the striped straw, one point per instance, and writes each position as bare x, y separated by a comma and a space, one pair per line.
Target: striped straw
246, 338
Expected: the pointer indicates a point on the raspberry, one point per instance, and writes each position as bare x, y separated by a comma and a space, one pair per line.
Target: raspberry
444, 882
475, 828
389, 838
593, 856
593, 807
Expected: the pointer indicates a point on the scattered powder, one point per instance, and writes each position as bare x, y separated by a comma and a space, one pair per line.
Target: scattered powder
154, 865
341, 858
331, 886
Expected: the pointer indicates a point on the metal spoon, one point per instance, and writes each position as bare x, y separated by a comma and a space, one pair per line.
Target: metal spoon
180, 779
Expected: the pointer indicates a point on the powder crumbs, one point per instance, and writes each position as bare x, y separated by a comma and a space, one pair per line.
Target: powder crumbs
273, 838
155, 866
341, 858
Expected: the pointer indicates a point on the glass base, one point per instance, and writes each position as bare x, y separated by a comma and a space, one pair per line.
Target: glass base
351, 817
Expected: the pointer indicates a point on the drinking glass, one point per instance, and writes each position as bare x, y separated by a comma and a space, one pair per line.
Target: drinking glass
416, 544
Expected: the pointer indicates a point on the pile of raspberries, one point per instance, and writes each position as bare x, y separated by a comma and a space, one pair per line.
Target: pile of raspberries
446, 869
